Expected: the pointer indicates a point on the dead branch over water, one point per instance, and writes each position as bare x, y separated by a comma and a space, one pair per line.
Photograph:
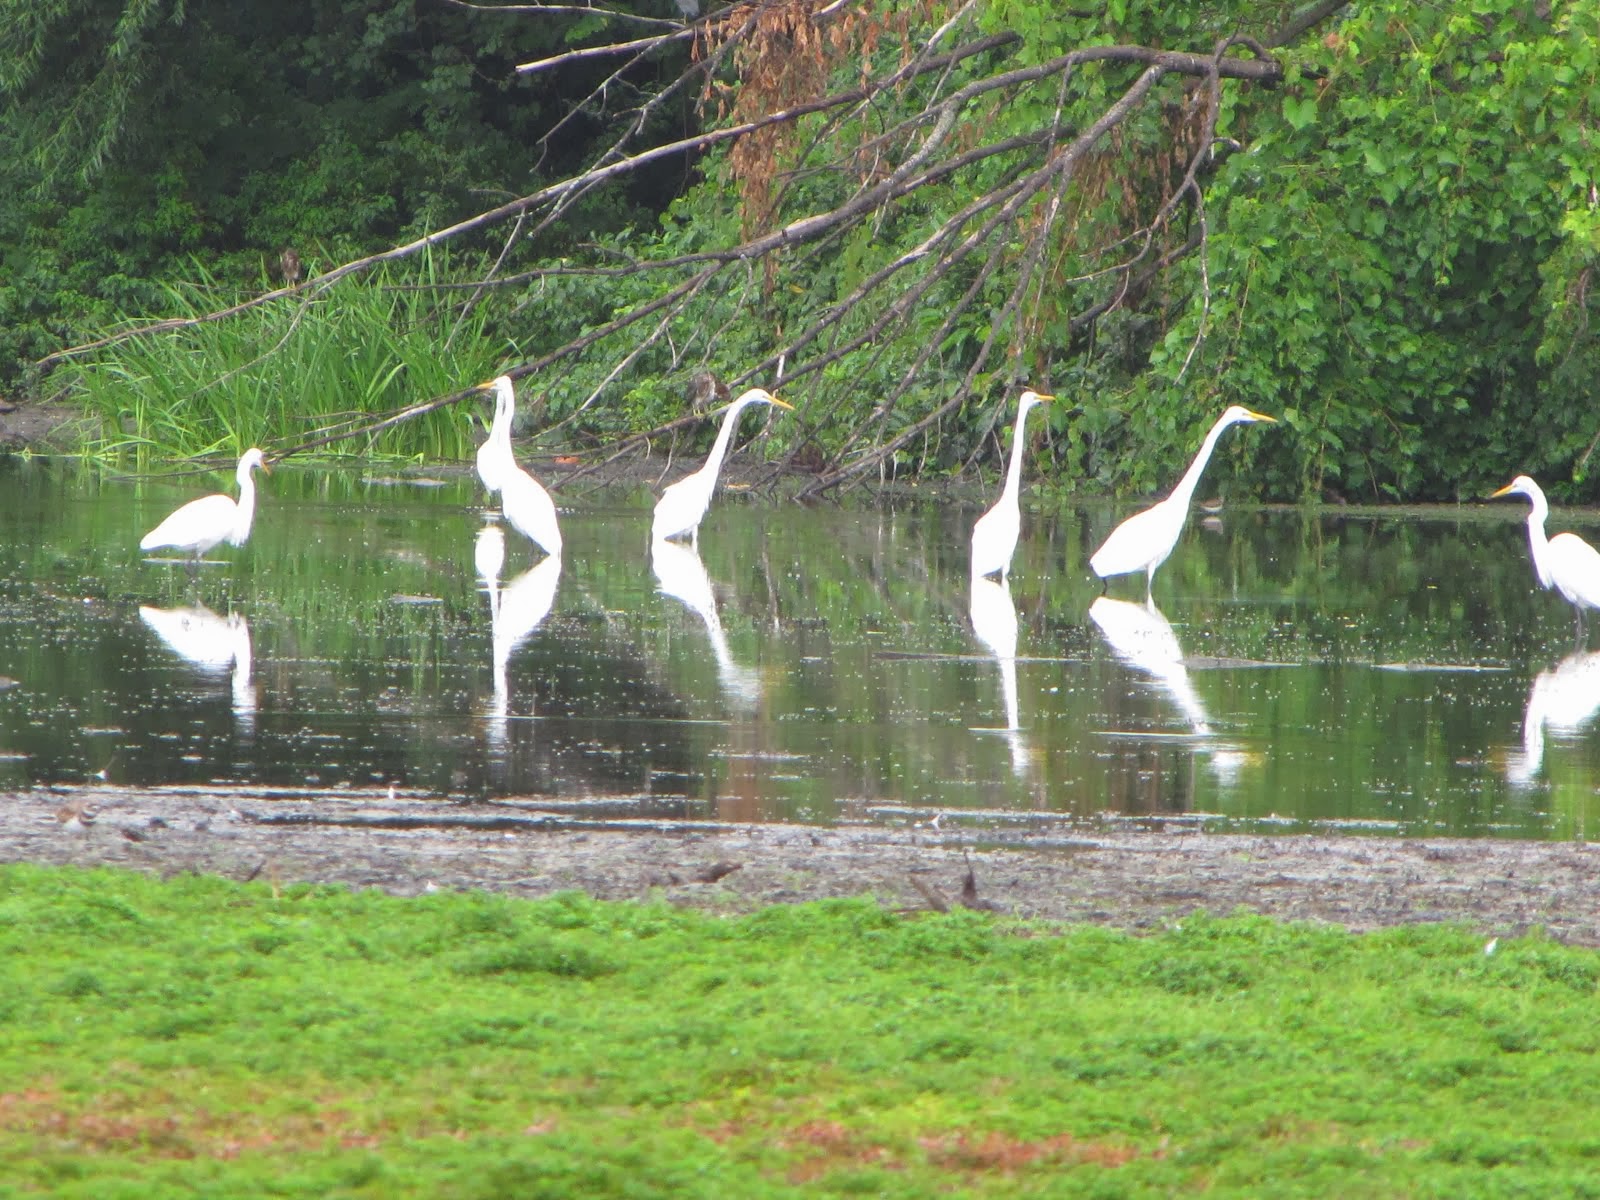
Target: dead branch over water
762, 72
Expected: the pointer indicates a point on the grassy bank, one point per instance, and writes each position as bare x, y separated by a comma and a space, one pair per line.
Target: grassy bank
201, 1037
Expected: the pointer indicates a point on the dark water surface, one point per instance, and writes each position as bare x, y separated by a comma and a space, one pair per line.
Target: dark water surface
1378, 674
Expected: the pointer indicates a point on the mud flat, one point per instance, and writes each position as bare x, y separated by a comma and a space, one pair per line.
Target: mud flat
1051, 868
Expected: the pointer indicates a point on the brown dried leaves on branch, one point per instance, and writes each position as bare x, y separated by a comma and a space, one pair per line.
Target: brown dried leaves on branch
785, 58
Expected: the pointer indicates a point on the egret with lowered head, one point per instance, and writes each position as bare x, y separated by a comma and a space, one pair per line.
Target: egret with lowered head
201, 524
994, 537
1565, 562
684, 504
1143, 541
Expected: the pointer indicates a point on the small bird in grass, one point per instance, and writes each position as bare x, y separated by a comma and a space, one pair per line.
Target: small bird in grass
77, 814
201, 524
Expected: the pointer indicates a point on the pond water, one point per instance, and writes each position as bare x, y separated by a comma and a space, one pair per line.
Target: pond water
817, 664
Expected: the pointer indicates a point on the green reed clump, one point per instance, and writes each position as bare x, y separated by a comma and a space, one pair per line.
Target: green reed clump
194, 1035
283, 373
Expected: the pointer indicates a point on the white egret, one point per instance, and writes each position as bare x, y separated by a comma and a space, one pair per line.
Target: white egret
523, 500
201, 524
1143, 541
1565, 562
684, 504
994, 537
529, 509
496, 448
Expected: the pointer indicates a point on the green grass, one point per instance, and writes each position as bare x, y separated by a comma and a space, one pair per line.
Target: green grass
200, 1037
284, 373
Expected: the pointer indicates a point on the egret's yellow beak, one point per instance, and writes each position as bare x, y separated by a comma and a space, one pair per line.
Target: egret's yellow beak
1503, 491
1255, 416
1044, 396
782, 404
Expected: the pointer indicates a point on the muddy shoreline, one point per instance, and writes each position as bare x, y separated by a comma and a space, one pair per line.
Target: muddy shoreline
1127, 879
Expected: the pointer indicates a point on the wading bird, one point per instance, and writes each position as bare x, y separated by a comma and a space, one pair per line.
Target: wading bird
994, 537
496, 446
526, 505
1565, 562
681, 507
1143, 541
201, 524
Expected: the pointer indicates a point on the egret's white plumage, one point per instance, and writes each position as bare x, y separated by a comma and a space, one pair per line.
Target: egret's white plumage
994, 537
526, 505
1143, 541
1563, 699
496, 448
684, 504
202, 524
529, 510
1565, 562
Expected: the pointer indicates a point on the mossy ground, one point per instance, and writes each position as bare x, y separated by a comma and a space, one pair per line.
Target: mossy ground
196, 1036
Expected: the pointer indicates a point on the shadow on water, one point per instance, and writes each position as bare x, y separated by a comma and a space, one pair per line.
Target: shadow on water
1373, 673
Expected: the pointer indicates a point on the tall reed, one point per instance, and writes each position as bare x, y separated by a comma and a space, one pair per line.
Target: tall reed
281, 374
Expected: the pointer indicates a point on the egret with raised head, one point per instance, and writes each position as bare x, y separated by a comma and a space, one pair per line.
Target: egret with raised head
1565, 562
684, 504
202, 524
1144, 540
994, 537
528, 508
496, 448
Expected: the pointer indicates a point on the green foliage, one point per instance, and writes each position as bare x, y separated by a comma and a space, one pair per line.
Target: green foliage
1395, 265
279, 375
1400, 239
312, 1041
136, 135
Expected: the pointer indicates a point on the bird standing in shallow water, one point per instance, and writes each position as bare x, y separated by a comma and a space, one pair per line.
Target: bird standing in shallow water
684, 504
994, 537
1143, 541
202, 524
523, 499
1565, 562
496, 446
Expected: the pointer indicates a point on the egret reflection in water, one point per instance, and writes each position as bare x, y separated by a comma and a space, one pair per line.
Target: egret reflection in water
1563, 699
1142, 638
681, 575
994, 621
515, 611
215, 644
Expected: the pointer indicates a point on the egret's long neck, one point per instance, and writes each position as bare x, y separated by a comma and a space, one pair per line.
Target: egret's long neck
719, 448
1184, 492
1014, 471
1537, 542
505, 410
245, 510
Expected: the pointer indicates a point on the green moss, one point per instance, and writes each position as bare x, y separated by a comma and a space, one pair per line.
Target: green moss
195, 1036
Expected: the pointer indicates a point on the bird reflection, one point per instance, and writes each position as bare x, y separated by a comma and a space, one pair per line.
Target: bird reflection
214, 644
1563, 699
680, 573
994, 620
515, 611
1141, 637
